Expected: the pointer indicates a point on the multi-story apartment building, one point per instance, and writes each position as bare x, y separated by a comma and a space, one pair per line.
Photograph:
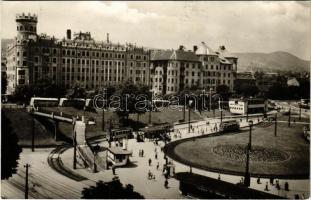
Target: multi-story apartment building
95, 64
173, 70
79, 59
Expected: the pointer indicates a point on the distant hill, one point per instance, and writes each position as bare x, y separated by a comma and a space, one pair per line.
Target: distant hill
4, 44
275, 61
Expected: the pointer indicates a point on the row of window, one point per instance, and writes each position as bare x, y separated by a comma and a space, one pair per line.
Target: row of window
27, 28
91, 53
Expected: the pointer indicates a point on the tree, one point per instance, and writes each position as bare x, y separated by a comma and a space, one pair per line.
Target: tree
129, 93
111, 190
4, 84
224, 91
9, 149
246, 89
77, 91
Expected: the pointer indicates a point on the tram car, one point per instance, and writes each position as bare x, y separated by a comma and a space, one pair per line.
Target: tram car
43, 102
119, 134
230, 125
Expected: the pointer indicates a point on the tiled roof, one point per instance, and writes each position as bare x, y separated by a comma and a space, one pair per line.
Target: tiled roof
204, 49
174, 55
225, 53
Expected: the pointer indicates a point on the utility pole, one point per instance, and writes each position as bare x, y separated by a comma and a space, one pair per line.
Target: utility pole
275, 124
26, 181
150, 109
210, 99
289, 113
184, 110
247, 177
33, 134
74, 144
103, 118
189, 117
150, 88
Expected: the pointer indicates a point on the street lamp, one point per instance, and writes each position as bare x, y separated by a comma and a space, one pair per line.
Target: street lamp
189, 107
220, 99
289, 113
275, 123
96, 150
247, 177
210, 98
103, 118
150, 109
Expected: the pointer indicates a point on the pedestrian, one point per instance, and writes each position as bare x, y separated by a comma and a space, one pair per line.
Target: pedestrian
156, 155
149, 161
219, 177
286, 186
258, 180
142, 153
158, 165
166, 183
266, 188
113, 170
277, 185
271, 181
149, 174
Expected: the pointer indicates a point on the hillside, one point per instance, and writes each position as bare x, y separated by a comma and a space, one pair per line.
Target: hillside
275, 61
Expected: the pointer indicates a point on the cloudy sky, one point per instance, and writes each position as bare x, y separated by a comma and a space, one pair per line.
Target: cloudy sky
240, 26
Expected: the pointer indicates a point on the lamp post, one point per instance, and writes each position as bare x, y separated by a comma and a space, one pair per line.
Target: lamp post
189, 107
74, 144
289, 113
103, 117
150, 109
33, 134
247, 110
275, 124
96, 150
26, 181
210, 99
247, 177
220, 99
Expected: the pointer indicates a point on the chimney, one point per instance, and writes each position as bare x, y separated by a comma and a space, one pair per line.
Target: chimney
107, 37
195, 48
68, 34
181, 47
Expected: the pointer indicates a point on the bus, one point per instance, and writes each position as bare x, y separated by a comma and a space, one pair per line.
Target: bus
230, 125
43, 102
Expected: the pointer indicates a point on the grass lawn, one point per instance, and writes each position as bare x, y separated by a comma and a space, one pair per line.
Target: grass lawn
200, 153
21, 122
165, 115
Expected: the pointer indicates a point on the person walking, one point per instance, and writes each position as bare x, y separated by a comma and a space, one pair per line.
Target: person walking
113, 170
149, 161
156, 155
166, 183
158, 164
142, 153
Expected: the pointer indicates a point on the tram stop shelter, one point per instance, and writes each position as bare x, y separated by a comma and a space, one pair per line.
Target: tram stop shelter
199, 186
118, 156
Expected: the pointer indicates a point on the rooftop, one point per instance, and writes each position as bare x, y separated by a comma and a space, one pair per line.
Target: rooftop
179, 55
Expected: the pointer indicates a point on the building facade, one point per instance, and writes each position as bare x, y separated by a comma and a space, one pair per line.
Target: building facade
174, 70
80, 58
96, 64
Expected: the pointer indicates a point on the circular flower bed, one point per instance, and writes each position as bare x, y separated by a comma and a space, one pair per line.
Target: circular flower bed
257, 154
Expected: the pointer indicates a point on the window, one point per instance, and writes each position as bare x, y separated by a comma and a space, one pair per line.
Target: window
36, 59
192, 73
54, 60
212, 67
21, 72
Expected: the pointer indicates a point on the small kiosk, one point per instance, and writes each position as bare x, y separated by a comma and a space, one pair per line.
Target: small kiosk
118, 156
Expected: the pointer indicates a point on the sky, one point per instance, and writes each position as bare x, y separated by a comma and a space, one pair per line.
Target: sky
241, 26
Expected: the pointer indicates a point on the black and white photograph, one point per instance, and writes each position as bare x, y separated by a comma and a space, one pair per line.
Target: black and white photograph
155, 99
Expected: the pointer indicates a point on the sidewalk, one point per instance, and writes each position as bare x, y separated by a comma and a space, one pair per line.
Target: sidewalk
136, 173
